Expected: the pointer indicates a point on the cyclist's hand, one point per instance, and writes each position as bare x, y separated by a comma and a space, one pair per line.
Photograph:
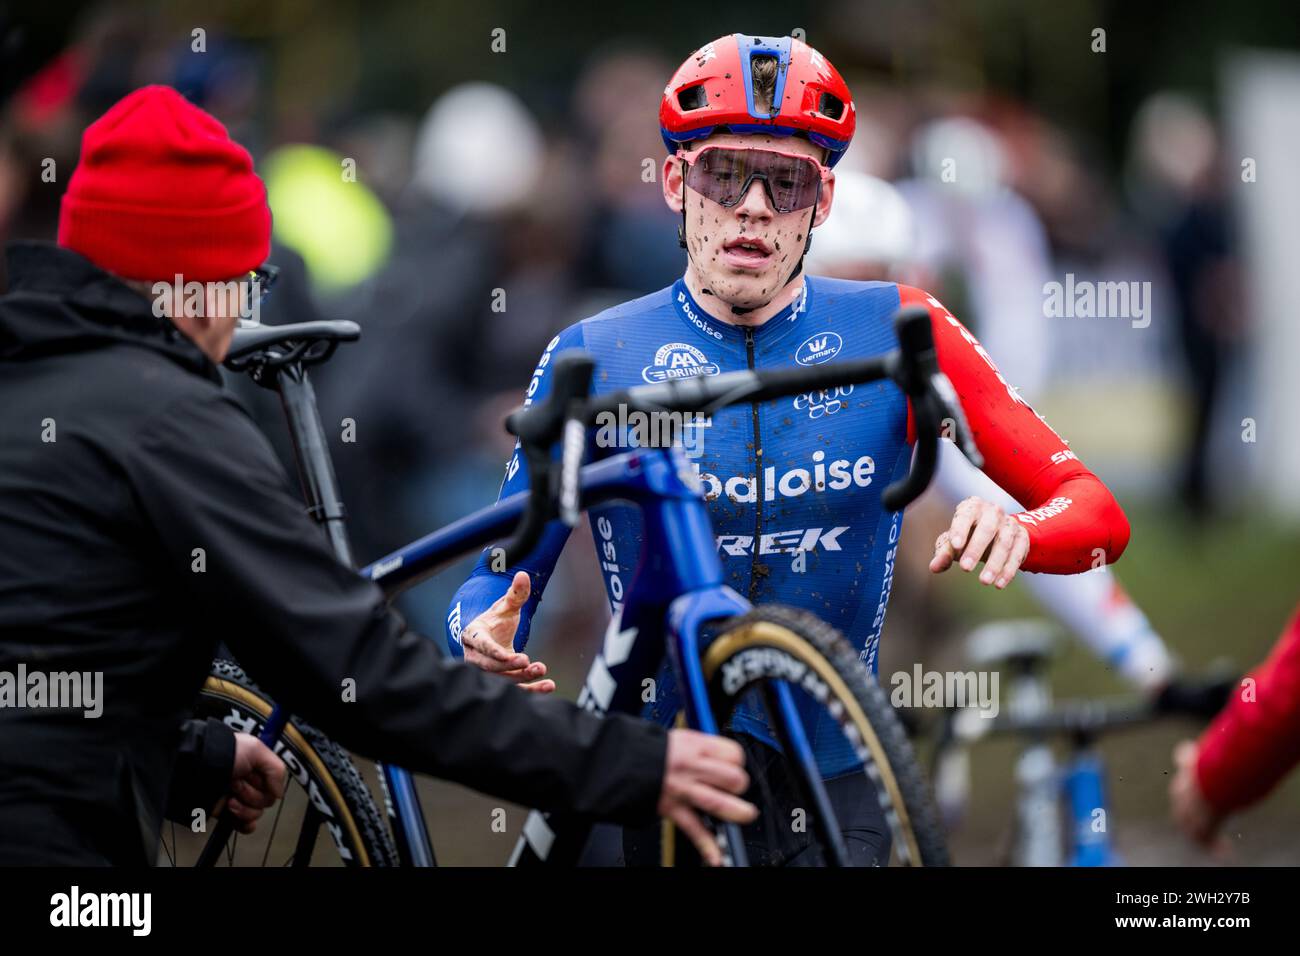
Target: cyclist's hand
1191, 811
489, 640
704, 773
256, 781
982, 531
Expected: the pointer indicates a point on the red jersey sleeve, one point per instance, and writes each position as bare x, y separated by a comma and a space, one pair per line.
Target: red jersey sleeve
1072, 518
1255, 740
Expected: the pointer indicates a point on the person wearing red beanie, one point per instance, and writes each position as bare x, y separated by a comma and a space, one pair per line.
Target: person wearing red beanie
162, 190
163, 198
123, 457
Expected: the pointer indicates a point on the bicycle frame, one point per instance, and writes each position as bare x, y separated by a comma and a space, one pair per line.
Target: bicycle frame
667, 605
676, 591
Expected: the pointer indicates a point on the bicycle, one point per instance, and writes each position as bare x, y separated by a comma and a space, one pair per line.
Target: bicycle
775, 651
1061, 811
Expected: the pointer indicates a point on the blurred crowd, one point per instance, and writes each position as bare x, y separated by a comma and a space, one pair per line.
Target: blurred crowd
463, 239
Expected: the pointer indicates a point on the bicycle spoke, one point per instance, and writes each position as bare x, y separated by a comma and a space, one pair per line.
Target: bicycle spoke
275, 825
171, 856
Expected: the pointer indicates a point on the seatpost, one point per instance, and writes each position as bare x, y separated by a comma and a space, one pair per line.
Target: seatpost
320, 491
315, 468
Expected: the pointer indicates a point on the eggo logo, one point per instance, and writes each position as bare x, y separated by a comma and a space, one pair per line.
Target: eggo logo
824, 401
821, 347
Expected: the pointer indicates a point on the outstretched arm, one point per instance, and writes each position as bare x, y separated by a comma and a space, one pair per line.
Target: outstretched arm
491, 614
1071, 522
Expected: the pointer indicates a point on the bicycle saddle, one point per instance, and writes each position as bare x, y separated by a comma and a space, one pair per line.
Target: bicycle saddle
251, 339
1030, 642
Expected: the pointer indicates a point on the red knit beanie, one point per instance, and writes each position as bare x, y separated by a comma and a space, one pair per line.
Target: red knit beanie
162, 189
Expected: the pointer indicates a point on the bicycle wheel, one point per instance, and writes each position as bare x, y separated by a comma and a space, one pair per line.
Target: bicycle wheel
325, 792
774, 642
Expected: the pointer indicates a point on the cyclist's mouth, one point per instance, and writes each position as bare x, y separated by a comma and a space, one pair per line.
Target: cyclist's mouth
746, 253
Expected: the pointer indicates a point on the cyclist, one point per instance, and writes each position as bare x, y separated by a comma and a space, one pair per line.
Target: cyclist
753, 126
145, 520
1247, 750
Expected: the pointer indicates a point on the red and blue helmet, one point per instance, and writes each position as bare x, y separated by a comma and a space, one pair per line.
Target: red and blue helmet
714, 89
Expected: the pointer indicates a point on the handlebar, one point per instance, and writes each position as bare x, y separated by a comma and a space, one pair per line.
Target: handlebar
568, 411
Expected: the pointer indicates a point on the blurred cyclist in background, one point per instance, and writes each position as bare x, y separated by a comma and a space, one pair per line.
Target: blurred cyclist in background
753, 126
873, 235
1247, 750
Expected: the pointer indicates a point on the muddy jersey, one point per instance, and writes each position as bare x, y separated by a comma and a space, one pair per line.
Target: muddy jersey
793, 485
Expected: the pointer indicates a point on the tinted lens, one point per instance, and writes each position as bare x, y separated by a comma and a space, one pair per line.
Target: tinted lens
793, 183
724, 175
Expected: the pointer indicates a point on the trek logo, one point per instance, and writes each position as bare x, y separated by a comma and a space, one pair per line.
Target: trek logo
678, 360
835, 476
782, 542
824, 401
695, 319
822, 347
453, 623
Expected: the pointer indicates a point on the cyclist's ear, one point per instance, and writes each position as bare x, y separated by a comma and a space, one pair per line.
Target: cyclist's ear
823, 207
671, 175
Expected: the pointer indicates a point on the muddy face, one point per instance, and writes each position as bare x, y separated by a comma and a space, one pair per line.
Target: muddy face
743, 254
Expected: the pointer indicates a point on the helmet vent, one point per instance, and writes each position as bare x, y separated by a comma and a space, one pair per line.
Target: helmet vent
763, 71
693, 97
832, 107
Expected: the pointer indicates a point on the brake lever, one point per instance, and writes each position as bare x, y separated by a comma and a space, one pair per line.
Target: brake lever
572, 450
941, 386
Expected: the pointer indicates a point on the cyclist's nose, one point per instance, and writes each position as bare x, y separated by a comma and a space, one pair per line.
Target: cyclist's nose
755, 203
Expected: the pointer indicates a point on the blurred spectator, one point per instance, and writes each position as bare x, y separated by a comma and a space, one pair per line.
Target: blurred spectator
1175, 179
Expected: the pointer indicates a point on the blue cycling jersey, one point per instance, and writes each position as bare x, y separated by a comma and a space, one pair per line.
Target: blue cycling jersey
793, 484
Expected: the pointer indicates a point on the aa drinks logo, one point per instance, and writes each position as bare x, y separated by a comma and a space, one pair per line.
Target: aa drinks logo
822, 347
678, 360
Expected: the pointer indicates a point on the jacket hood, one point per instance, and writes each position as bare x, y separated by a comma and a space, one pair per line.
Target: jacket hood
60, 302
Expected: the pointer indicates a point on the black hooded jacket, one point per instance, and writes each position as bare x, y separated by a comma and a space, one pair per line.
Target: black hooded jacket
143, 520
